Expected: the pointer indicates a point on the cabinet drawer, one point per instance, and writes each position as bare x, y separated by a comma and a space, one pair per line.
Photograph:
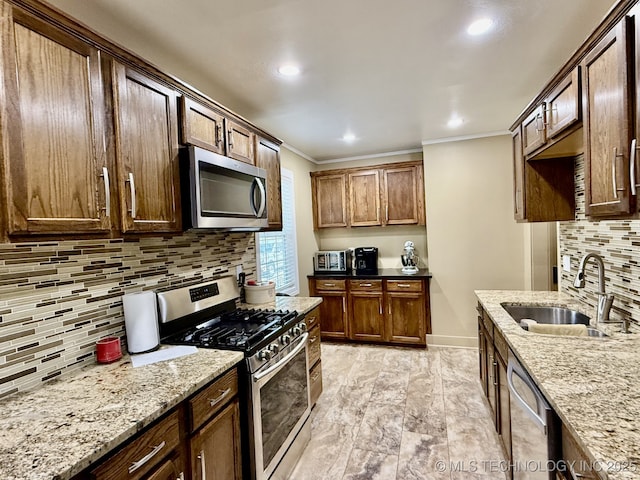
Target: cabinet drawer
205, 404
365, 285
314, 345
315, 380
331, 284
312, 318
140, 456
404, 285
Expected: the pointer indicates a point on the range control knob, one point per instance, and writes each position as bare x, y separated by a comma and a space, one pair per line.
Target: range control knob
274, 348
303, 326
285, 339
264, 355
297, 331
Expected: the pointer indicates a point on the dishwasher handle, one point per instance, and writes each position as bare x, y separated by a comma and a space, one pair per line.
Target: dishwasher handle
515, 369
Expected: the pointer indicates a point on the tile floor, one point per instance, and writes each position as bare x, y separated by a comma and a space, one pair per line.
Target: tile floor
400, 413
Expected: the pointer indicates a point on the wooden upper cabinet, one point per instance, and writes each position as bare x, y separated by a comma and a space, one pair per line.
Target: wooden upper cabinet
364, 198
563, 105
518, 176
52, 110
146, 152
403, 195
534, 134
268, 157
608, 122
329, 200
201, 126
240, 142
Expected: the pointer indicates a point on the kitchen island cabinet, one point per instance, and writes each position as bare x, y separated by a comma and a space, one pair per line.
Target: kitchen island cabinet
388, 308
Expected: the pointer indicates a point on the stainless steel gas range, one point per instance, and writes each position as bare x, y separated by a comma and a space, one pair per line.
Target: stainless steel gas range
275, 394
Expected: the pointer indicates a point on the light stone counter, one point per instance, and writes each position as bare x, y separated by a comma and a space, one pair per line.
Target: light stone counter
593, 384
299, 304
62, 427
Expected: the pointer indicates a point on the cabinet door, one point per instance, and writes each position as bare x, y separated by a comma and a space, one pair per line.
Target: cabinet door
491, 376
333, 315
52, 110
406, 318
268, 157
329, 200
518, 177
240, 142
367, 318
503, 409
147, 153
169, 470
482, 356
364, 198
563, 104
215, 449
201, 126
534, 133
607, 123
403, 194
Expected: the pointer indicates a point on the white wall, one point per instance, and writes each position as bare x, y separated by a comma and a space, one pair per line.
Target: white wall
474, 243
307, 241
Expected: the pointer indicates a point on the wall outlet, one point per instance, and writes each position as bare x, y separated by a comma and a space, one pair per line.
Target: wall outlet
566, 263
238, 271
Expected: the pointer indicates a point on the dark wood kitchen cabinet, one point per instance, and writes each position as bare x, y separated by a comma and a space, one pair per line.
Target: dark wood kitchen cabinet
312, 320
366, 310
608, 122
364, 198
493, 357
52, 110
146, 152
240, 142
379, 310
201, 125
329, 200
268, 157
403, 195
333, 309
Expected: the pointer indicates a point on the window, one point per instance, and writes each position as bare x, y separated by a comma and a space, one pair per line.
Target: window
277, 254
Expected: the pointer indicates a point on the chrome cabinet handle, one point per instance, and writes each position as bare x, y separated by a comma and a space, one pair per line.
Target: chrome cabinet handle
218, 135
495, 373
230, 138
313, 339
214, 401
132, 189
202, 465
344, 305
403, 285
539, 121
614, 173
632, 167
137, 464
107, 192
329, 284
181, 476
380, 305
366, 285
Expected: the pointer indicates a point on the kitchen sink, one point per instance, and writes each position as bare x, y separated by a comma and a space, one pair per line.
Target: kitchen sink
551, 315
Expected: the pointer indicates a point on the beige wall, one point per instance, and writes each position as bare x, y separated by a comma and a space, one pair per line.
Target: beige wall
307, 241
474, 242
389, 240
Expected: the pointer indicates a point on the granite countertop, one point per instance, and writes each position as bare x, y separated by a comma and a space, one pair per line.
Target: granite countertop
60, 428
393, 273
299, 304
593, 384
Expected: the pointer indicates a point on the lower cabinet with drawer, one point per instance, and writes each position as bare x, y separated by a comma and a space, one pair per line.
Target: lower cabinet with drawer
377, 310
312, 319
198, 439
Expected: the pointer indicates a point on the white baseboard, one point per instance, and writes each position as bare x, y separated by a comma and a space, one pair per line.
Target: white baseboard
450, 341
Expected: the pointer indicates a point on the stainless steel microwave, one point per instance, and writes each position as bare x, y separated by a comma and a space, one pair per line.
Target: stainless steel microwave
332, 261
221, 193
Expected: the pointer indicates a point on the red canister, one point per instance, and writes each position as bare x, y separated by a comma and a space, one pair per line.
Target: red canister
108, 350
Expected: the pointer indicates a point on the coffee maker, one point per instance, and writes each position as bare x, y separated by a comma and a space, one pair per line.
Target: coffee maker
366, 261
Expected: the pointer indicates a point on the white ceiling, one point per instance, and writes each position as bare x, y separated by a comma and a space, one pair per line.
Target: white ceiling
391, 72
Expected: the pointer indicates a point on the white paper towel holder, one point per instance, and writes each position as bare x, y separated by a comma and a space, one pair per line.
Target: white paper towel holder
141, 322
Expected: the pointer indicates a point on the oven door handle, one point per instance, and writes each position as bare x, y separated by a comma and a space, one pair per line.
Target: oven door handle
283, 361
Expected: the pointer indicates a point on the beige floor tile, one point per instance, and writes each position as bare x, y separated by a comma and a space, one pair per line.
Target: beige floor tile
381, 429
368, 465
423, 457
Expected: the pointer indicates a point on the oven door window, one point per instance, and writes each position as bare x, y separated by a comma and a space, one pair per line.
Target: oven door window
283, 401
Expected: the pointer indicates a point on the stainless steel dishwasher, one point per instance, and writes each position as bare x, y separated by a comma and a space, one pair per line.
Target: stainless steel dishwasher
535, 428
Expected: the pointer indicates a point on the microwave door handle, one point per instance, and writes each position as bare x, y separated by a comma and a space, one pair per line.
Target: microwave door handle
263, 197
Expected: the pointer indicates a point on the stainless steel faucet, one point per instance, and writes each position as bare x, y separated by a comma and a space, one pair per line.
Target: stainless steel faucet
605, 300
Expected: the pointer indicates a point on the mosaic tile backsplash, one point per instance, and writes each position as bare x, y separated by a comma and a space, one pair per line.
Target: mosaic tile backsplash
617, 241
58, 298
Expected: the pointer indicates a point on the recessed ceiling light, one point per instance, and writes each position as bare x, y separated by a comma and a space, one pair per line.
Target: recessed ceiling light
289, 70
480, 26
455, 122
348, 137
